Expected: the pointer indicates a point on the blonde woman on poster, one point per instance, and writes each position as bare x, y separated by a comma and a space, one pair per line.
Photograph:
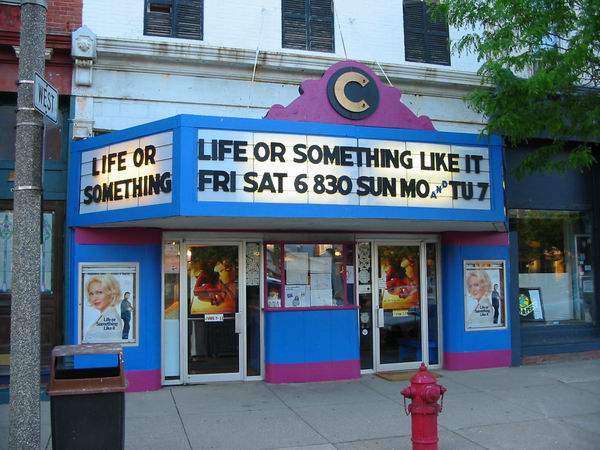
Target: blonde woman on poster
104, 292
479, 303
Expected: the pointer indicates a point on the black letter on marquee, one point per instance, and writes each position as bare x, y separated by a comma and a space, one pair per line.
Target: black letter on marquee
165, 182
301, 155
204, 177
363, 186
249, 179
484, 188
201, 155
150, 153
277, 151
87, 193
138, 157
407, 188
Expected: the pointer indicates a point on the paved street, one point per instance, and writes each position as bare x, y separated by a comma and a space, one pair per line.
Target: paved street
550, 406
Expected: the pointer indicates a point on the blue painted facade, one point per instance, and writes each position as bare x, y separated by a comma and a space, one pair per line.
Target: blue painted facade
296, 337
290, 337
456, 339
146, 354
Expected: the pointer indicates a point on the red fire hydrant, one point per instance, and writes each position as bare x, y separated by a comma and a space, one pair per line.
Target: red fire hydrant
424, 409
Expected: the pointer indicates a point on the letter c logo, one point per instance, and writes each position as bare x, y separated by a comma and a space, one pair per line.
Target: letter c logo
339, 88
353, 93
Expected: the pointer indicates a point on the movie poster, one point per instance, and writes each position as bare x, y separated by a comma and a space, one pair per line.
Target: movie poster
485, 295
212, 279
399, 271
108, 302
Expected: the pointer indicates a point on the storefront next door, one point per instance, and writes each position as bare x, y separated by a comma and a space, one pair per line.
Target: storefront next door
403, 331
212, 332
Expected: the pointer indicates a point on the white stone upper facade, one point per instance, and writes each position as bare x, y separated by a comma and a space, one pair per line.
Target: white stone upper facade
240, 69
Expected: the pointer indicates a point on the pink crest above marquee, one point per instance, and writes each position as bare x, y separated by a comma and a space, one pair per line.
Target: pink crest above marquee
313, 104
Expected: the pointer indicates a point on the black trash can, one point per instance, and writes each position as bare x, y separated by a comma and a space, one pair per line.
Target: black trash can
87, 405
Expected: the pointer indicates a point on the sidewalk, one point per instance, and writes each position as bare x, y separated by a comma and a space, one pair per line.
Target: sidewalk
550, 406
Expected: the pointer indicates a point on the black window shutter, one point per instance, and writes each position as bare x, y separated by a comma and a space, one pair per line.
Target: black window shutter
308, 25
294, 24
438, 44
321, 26
174, 18
188, 19
425, 39
158, 18
414, 31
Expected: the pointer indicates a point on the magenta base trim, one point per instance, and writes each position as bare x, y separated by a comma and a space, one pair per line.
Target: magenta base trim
143, 380
477, 360
116, 236
311, 372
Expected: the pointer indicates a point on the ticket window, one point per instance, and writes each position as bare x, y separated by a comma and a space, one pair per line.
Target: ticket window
309, 275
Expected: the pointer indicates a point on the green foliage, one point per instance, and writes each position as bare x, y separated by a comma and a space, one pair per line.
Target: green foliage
542, 61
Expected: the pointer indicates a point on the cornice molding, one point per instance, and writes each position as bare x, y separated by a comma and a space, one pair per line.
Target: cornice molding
54, 40
278, 67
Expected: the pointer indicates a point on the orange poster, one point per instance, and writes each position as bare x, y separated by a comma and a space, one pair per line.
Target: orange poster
399, 269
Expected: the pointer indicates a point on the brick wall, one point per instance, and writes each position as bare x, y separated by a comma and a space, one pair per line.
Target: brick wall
64, 16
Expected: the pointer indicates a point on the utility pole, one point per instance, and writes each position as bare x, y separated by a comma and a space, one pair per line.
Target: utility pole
24, 413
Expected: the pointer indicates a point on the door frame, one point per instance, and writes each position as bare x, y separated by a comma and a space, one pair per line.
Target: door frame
186, 377
421, 242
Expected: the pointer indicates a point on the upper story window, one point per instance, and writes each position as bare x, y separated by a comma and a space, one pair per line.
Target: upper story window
425, 38
54, 135
8, 119
308, 25
174, 18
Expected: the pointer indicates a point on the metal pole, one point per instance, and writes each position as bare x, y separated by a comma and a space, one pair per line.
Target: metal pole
24, 413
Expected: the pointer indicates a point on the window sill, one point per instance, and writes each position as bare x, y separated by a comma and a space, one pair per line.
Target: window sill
432, 63
176, 38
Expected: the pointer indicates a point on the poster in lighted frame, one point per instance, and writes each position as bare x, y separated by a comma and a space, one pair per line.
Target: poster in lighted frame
108, 303
212, 279
485, 295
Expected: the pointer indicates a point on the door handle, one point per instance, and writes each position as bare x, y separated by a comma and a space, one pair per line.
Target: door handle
238, 322
380, 320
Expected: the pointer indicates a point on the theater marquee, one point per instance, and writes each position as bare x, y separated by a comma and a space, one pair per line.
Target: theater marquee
127, 174
251, 167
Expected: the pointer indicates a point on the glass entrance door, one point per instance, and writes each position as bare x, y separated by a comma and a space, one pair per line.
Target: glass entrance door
400, 309
214, 313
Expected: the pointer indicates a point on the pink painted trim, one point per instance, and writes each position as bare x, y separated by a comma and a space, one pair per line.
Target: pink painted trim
312, 308
143, 380
475, 239
477, 360
311, 372
123, 236
313, 105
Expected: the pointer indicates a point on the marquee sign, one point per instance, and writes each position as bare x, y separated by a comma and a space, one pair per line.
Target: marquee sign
257, 167
127, 174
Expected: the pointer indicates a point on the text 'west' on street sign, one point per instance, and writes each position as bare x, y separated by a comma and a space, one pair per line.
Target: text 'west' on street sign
45, 98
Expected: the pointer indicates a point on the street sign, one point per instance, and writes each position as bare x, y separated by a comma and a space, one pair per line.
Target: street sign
45, 98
